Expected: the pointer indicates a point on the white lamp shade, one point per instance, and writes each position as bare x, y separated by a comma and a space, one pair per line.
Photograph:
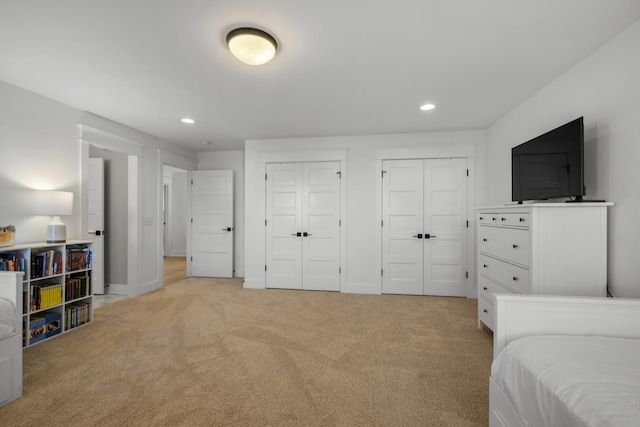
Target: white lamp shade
54, 202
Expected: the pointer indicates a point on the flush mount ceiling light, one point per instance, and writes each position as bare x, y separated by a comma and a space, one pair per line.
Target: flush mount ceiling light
427, 107
187, 121
251, 45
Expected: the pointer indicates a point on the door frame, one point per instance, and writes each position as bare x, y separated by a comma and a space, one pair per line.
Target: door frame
258, 243
166, 158
467, 151
134, 150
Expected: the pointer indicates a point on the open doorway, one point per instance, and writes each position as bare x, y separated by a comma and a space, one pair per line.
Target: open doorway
175, 216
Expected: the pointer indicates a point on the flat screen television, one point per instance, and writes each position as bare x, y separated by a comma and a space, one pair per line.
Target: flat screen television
550, 166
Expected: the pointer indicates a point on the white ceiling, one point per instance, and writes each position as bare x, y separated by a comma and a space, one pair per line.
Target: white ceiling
344, 67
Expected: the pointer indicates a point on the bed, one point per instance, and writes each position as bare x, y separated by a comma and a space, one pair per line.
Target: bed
565, 361
10, 336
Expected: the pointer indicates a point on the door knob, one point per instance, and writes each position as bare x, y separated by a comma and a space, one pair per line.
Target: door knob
305, 234
419, 236
227, 229
298, 234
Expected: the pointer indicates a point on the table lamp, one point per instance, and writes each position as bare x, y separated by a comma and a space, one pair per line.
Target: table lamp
55, 203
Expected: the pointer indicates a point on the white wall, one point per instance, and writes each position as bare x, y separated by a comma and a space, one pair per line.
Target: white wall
362, 245
231, 160
605, 89
38, 150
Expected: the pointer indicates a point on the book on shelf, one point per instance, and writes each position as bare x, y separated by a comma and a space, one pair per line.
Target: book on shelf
43, 296
77, 287
10, 262
78, 257
45, 263
77, 314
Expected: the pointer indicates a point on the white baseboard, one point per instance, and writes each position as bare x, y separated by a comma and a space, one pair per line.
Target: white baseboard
114, 289
361, 288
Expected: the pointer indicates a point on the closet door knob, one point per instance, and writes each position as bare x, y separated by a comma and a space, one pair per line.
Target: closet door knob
515, 246
419, 236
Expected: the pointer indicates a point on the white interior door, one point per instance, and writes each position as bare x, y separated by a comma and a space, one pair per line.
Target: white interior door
321, 226
402, 220
96, 222
445, 227
212, 223
284, 226
424, 227
303, 226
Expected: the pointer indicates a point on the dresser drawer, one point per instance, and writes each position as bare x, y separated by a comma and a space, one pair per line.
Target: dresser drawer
514, 219
512, 276
485, 312
491, 218
507, 243
487, 288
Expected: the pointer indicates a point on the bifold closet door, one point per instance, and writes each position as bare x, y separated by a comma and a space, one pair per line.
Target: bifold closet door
303, 226
424, 227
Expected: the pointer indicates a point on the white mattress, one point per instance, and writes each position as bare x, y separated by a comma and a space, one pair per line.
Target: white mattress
7, 319
572, 381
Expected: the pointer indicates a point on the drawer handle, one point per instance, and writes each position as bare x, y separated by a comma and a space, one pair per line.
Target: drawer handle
521, 219
494, 219
515, 279
485, 265
485, 288
503, 219
515, 246
485, 310
484, 240
481, 218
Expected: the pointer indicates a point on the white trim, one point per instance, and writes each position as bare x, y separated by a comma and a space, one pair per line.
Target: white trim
427, 152
297, 156
109, 141
182, 162
134, 232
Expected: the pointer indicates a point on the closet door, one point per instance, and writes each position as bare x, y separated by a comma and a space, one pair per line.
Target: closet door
445, 227
321, 226
303, 226
284, 226
402, 221
424, 227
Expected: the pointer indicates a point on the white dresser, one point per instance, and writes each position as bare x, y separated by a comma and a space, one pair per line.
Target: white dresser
540, 248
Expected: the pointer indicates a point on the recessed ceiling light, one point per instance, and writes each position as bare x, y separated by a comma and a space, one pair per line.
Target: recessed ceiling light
251, 45
427, 107
188, 121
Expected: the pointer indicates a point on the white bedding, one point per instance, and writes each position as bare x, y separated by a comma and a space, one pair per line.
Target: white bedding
7, 319
572, 380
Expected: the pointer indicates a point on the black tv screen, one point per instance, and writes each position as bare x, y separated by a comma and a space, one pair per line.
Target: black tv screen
550, 166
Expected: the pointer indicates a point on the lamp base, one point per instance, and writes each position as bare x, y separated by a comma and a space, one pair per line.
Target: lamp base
56, 231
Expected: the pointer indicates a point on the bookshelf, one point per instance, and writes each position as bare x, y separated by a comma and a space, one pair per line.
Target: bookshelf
57, 294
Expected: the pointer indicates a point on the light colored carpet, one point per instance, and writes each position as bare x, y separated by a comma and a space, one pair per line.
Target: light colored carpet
206, 352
